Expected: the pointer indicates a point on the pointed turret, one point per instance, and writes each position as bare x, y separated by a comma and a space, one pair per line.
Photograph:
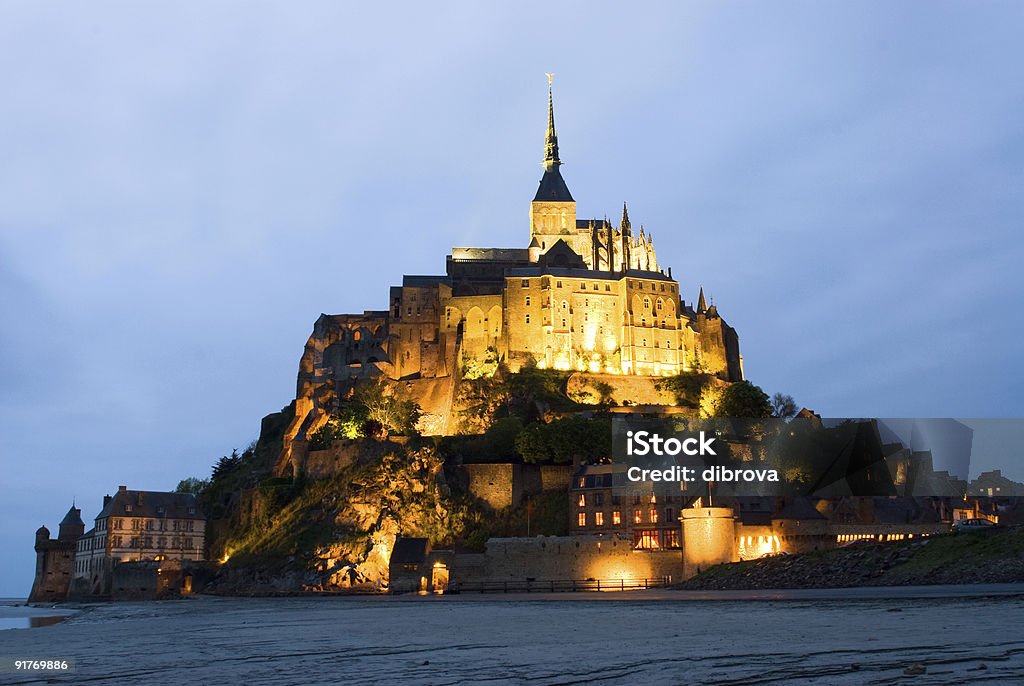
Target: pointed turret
702, 305
72, 526
624, 224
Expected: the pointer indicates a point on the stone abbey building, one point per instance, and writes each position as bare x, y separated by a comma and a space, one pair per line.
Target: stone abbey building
584, 294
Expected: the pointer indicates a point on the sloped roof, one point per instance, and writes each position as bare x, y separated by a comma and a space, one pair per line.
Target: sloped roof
552, 188
155, 504
74, 516
409, 551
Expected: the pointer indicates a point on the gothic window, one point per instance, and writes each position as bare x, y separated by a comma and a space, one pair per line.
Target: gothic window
586, 316
527, 301
582, 500
527, 319
563, 322
668, 344
565, 304
644, 343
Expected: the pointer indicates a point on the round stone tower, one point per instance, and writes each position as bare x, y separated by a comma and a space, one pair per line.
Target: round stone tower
709, 538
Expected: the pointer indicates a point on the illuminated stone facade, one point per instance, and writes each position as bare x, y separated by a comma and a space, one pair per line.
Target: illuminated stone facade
585, 294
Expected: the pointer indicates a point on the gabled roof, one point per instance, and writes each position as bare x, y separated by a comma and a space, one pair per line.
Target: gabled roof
409, 551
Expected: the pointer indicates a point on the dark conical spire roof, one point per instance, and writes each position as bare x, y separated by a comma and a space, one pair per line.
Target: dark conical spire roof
552, 185
625, 218
702, 305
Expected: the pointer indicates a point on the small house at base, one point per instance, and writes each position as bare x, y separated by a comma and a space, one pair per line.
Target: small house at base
415, 568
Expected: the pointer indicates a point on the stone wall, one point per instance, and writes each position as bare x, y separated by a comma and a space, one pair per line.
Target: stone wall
564, 558
498, 485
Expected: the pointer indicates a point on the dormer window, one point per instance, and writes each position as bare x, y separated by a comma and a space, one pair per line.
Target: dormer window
128, 507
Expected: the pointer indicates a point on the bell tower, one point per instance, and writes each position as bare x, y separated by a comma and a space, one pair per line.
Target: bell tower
553, 211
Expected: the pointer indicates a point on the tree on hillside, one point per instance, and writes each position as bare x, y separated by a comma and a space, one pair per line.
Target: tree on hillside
783, 406
743, 399
564, 440
388, 406
192, 485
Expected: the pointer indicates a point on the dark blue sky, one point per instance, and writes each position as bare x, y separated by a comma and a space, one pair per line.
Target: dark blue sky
183, 192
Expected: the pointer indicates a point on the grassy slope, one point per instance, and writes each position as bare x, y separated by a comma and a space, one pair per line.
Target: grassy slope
984, 557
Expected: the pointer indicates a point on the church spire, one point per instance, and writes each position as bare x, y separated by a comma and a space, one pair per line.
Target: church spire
702, 305
625, 219
551, 139
552, 185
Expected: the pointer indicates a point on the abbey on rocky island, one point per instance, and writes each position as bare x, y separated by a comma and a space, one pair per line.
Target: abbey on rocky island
584, 295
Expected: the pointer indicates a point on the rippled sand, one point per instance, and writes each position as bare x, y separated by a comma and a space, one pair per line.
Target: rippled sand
664, 637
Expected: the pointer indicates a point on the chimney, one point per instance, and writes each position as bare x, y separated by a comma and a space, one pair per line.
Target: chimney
106, 500
122, 489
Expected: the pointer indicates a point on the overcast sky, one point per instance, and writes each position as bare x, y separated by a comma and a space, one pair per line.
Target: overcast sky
183, 190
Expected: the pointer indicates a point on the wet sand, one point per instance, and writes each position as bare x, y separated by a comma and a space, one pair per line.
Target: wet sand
961, 635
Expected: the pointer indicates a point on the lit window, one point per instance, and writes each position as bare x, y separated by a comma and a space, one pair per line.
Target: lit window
599, 519
616, 518
581, 519
582, 500
654, 516
637, 517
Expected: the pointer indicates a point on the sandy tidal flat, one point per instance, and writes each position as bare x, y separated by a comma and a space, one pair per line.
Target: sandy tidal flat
651, 638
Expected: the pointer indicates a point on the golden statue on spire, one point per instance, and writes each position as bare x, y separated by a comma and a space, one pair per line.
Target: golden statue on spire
550, 75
